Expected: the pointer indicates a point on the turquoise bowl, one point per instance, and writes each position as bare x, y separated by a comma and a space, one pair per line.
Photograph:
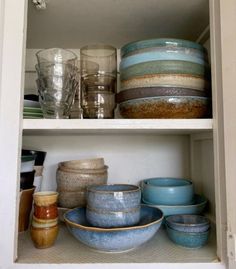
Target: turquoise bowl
186, 239
114, 239
188, 223
197, 207
167, 191
160, 42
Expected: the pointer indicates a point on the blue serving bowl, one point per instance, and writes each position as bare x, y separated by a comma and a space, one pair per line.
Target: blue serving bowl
109, 219
114, 239
167, 191
117, 197
197, 207
188, 240
188, 223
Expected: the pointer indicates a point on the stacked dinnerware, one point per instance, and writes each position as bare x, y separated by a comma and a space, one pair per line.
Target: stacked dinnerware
73, 178
164, 78
44, 226
32, 110
57, 81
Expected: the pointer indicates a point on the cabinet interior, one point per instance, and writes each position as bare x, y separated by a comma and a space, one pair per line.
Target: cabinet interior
130, 156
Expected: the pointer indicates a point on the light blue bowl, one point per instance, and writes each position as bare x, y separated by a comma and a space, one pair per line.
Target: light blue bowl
188, 240
167, 191
188, 223
114, 239
110, 219
159, 56
199, 203
117, 197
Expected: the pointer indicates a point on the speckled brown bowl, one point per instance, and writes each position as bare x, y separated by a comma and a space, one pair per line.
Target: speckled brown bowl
72, 199
96, 163
185, 107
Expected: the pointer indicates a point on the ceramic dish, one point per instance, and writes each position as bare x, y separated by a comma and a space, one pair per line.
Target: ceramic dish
144, 92
27, 163
165, 107
27, 180
114, 239
32, 110
197, 207
159, 56
96, 163
188, 240
188, 223
30, 103
169, 80
165, 67
32, 116
160, 42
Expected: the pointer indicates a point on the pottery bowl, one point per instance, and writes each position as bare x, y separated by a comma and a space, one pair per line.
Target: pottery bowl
197, 207
110, 219
71, 199
165, 107
188, 223
27, 180
80, 180
97, 163
45, 198
115, 197
114, 239
188, 239
167, 191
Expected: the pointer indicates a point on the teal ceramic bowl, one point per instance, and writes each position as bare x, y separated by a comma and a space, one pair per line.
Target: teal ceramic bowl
165, 67
160, 42
114, 239
197, 207
186, 239
167, 191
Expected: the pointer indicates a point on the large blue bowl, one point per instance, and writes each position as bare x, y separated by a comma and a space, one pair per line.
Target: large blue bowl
167, 191
114, 239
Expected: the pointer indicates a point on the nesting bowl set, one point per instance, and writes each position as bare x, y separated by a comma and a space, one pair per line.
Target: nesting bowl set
164, 78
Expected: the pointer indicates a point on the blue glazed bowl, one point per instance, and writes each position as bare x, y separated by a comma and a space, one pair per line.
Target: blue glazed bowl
167, 191
114, 239
188, 240
109, 219
199, 203
117, 197
188, 223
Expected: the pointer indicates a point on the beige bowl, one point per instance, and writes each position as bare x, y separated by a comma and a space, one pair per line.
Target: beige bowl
83, 171
96, 163
70, 181
45, 198
72, 199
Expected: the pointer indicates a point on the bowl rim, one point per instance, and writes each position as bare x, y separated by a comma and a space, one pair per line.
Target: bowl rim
118, 229
187, 233
179, 224
91, 188
187, 182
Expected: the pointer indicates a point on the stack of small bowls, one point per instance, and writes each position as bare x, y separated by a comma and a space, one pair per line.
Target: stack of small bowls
164, 78
113, 220
190, 231
44, 227
73, 178
172, 195
57, 81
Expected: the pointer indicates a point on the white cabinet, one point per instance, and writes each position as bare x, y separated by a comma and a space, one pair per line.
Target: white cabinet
202, 149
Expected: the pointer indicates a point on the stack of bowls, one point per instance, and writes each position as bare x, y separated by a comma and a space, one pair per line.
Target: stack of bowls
164, 78
73, 178
172, 195
27, 170
57, 81
190, 231
113, 220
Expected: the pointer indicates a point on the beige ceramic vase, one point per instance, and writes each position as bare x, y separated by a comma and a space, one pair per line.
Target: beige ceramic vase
44, 227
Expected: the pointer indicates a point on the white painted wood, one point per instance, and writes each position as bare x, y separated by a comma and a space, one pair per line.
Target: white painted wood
13, 47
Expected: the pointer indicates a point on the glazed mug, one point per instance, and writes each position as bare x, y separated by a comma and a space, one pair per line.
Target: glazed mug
45, 198
46, 212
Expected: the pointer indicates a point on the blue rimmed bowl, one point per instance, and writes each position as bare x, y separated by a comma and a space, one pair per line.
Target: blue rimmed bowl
114, 239
186, 239
197, 207
188, 223
167, 191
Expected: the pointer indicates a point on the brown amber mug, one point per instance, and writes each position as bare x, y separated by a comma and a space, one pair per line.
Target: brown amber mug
46, 212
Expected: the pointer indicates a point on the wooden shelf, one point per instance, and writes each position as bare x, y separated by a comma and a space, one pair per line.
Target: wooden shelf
115, 126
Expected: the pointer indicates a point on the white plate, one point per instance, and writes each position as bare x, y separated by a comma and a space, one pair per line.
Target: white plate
30, 103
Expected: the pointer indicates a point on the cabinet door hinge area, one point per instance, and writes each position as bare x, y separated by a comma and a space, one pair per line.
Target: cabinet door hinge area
231, 245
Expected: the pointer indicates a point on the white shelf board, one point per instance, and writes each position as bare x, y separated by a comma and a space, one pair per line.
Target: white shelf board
68, 250
116, 126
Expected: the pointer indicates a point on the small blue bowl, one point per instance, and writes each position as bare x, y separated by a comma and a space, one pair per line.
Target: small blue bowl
114, 239
188, 240
167, 191
110, 219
